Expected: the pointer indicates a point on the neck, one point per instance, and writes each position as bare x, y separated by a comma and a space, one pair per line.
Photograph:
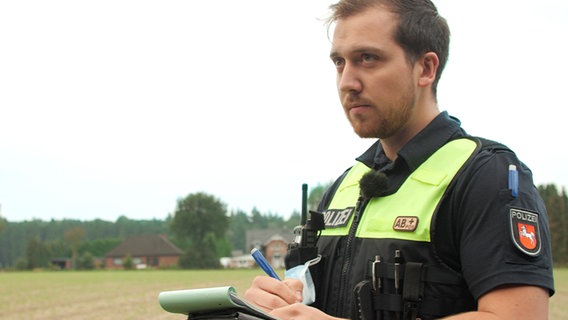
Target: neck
419, 120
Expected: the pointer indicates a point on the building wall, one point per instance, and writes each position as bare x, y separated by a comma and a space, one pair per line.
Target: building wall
111, 263
142, 262
275, 251
242, 261
167, 261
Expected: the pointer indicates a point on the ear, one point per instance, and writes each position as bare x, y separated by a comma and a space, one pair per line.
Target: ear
428, 68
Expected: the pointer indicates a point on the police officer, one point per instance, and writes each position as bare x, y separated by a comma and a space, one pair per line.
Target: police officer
430, 222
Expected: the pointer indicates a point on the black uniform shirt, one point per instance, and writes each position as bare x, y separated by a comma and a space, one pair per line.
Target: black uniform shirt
476, 231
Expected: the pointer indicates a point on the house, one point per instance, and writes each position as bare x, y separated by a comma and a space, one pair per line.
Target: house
273, 243
67, 263
62, 263
150, 250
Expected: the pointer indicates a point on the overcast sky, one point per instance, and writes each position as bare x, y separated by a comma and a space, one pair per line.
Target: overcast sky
121, 107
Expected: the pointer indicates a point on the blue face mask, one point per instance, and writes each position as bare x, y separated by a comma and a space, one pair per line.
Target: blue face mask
302, 273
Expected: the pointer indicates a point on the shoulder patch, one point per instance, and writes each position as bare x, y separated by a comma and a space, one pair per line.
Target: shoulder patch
525, 231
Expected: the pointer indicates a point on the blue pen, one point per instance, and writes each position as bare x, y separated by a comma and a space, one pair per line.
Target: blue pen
261, 261
513, 181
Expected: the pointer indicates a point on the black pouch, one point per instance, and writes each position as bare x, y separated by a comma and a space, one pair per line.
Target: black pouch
363, 298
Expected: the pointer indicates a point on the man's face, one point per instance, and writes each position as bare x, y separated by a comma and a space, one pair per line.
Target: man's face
376, 84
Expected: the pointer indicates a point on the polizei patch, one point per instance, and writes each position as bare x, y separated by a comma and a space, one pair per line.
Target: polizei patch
337, 218
525, 231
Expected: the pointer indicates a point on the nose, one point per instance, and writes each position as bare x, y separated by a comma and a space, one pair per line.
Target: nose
348, 79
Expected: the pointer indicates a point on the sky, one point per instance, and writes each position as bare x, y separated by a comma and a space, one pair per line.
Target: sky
114, 108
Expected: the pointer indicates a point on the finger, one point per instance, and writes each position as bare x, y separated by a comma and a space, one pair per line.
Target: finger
286, 290
263, 299
296, 286
269, 293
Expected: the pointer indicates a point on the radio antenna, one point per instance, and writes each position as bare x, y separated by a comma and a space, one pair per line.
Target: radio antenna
304, 217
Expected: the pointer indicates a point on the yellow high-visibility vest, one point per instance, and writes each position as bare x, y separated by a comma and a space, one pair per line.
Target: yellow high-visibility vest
406, 214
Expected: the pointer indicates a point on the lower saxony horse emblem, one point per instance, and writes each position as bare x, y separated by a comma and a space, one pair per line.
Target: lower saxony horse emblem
525, 231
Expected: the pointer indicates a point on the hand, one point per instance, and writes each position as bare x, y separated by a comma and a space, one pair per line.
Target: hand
269, 293
298, 311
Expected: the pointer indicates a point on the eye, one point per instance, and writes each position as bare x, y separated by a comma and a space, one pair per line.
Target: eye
338, 62
368, 58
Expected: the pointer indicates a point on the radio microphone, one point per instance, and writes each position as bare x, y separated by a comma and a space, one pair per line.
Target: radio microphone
373, 184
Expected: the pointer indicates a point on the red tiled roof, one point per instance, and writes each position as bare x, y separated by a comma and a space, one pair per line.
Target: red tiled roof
145, 245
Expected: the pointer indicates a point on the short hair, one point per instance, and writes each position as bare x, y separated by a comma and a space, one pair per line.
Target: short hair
420, 27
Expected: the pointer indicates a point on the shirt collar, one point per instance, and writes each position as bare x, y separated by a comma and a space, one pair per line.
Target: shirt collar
437, 133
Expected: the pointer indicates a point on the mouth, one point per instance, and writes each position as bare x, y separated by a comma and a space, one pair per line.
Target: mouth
352, 102
355, 108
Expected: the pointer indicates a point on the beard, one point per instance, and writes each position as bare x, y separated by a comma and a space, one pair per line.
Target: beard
386, 119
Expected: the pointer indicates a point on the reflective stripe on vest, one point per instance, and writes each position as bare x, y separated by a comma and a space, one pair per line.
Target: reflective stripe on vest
406, 214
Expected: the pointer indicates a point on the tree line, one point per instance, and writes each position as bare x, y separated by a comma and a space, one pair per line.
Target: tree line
556, 203
34, 243
201, 226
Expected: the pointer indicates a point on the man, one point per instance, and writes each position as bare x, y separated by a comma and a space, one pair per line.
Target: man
457, 228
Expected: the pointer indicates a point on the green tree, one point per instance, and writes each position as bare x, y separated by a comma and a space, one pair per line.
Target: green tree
200, 221
223, 247
74, 236
21, 264
316, 194
128, 263
258, 220
556, 205
37, 253
86, 261
239, 224
293, 221
98, 247
203, 257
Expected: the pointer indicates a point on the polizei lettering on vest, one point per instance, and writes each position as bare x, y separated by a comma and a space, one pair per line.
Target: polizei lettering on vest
335, 218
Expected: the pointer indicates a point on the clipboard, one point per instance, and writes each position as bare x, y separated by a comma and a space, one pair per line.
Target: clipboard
211, 303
